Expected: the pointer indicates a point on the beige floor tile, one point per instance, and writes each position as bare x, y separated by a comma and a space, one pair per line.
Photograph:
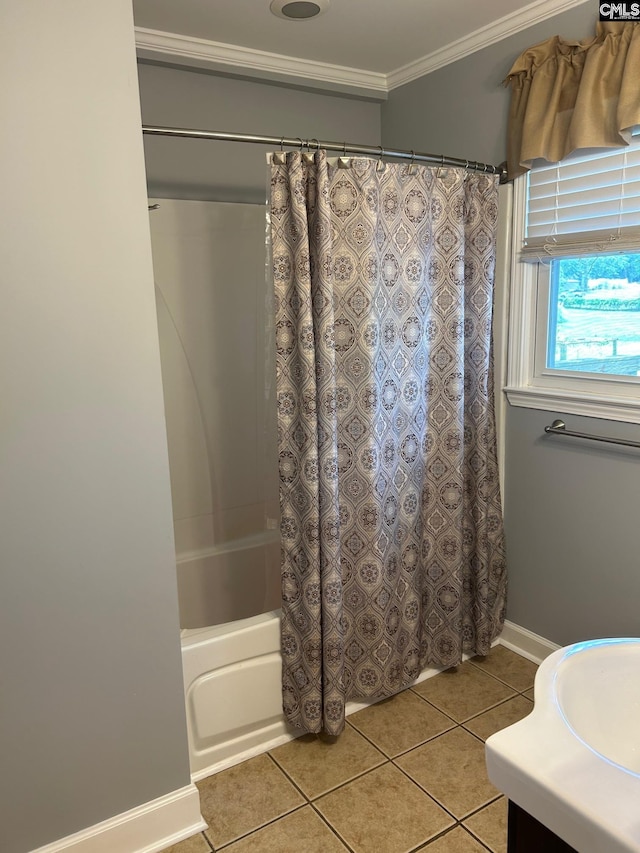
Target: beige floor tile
383, 812
400, 723
490, 825
195, 844
464, 692
244, 798
452, 769
300, 832
317, 764
455, 841
499, 717
528, 694
513, 669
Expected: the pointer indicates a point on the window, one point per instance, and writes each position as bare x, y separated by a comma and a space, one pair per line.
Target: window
594, 314
574, 337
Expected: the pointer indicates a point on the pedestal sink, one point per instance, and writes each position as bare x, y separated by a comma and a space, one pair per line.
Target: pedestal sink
574, 762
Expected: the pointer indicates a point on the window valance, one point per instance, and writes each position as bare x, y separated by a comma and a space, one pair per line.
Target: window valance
569, 95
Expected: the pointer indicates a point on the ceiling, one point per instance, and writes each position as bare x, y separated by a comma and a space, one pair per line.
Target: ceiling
384, 41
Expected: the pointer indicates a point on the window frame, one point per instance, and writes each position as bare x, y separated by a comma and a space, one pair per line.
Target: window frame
529, 383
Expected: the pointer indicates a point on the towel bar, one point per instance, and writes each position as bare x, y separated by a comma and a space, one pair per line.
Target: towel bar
558, 427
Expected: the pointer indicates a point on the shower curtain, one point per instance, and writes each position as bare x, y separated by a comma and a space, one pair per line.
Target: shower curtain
391, 524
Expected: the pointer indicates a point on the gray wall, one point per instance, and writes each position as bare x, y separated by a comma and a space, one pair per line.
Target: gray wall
571, 507
461, 110
571, 516
92, 718
223, 171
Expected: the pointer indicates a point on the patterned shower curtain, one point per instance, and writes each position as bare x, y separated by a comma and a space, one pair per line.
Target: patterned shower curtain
391, 525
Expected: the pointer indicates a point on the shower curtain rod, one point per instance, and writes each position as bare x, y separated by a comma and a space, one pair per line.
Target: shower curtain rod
343, 148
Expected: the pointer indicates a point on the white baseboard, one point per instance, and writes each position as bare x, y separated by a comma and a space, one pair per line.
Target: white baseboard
531, 646
149, 828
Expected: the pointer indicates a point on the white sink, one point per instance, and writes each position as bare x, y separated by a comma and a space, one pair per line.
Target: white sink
574, 762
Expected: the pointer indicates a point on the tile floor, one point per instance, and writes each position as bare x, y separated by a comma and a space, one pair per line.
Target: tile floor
407, 774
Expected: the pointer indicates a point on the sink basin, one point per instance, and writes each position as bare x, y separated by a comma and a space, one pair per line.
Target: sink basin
574, 762
597, 686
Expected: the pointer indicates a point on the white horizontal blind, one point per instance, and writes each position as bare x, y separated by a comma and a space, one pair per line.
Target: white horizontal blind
584, 204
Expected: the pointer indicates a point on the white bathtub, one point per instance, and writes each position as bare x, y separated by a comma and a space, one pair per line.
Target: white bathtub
232, 682
232, 692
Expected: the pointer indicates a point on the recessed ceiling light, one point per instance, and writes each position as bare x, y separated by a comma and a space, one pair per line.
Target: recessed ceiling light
299, 10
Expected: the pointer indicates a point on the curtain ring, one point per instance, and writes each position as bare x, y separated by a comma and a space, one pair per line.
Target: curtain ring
306, 154
281, 143
301, 143
317, 142
343, 162
413, 162
380, 167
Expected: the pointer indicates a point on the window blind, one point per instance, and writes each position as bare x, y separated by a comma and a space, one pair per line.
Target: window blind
585, 204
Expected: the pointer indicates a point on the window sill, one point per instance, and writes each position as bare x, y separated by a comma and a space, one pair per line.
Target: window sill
571, 402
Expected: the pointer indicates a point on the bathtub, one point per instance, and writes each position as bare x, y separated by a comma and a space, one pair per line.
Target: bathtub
232, 692
229, 597
232, 684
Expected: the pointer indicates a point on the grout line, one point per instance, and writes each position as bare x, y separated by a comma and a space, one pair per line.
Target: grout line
409, 749
502, 681
431, 796
206, 841
424, 845
435, 707
458, 820
289, 778
332, 828
258, 828
493, 707
497, 797
372, 743
459, 823
312, 799
349, 781
473, 834
473, 734
476, 838
478, 713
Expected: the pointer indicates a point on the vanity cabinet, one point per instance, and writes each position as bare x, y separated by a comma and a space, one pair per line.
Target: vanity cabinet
525, 834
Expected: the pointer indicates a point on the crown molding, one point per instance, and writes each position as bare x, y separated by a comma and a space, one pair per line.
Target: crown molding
200, 53
513, 23
195, 52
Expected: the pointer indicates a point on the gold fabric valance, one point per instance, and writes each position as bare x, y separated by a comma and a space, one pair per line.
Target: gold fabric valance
572, 95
